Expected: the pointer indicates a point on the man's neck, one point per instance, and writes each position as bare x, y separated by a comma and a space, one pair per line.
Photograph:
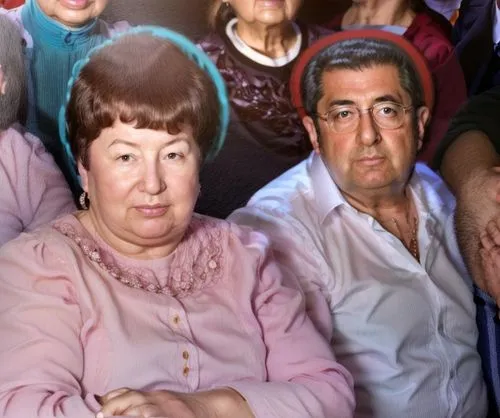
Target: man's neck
381, 205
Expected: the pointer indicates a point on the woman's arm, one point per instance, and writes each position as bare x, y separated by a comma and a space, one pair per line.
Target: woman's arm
304, 380
41, 353
47, 193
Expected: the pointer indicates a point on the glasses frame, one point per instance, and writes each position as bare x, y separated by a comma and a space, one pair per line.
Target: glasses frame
324, 116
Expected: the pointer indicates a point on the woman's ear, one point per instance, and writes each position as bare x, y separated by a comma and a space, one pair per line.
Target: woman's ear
84, 176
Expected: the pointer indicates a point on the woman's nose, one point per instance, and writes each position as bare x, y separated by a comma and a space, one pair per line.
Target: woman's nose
154, 178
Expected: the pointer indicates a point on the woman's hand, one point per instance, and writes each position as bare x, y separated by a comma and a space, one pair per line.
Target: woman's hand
166, 404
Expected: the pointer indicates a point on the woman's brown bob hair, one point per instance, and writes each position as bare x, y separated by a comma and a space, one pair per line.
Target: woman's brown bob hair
145, 81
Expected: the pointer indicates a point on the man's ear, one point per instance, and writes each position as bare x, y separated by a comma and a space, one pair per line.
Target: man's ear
423, 119
84, 176
3, 82
313, 134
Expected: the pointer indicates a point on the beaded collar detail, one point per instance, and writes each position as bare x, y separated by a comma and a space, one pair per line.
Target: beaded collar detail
196, 263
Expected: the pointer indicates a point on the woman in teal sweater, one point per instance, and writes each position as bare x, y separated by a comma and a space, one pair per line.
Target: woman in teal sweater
56, 34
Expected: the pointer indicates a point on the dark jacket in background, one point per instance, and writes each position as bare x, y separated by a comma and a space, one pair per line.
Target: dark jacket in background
473, 39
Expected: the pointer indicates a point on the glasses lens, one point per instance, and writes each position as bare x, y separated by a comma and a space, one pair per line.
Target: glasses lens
388, 115
343, 118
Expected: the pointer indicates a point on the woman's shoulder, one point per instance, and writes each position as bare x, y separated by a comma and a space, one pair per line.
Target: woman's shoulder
213, 44
431, 38
19, 150
232, 236
42, 248
15, 16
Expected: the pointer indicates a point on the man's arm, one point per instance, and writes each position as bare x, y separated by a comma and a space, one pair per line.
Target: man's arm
468, 160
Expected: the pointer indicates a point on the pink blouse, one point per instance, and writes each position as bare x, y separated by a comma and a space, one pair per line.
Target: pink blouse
78, 319
33, 189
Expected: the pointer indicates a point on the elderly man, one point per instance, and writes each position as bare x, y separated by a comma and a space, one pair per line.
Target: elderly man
369, 233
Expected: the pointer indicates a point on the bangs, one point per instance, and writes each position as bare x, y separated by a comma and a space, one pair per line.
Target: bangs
145, 82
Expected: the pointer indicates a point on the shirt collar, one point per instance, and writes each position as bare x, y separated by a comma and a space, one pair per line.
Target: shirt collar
328, 196
326, 192
46, 30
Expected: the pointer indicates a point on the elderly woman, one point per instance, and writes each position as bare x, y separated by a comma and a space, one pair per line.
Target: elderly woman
254, 45
430, 33
57, 34
188, 312
33, 188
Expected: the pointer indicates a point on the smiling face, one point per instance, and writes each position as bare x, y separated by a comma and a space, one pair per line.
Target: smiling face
73, 13
370, 159
142, 186
266, 12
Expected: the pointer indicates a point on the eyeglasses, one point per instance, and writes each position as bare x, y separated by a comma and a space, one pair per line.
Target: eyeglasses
343, 119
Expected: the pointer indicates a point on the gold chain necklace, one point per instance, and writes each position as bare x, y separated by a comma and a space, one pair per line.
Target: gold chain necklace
413, 244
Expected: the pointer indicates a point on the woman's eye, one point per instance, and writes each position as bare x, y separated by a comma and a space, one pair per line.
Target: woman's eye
125, 158
173, 156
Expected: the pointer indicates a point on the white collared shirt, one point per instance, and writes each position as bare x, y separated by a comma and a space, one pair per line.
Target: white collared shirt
404, 329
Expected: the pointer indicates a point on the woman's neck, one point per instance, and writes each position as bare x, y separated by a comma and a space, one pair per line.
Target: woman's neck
274, 41
379, 12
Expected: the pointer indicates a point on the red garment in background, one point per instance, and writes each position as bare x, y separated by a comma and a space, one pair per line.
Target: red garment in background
10, 4
431, 37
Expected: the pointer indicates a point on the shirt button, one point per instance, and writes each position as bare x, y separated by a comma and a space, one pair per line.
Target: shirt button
185, 371
176, 319
67, 38
185, 355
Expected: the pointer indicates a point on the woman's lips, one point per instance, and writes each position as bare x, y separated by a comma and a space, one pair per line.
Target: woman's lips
75, 4
152, 211
272, 3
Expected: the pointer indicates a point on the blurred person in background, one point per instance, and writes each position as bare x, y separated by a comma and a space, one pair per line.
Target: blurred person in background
33, 189
56, 33
254, 44
431, 34
476, 35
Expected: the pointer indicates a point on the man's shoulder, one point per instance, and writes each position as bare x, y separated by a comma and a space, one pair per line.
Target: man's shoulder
286, 204
289, 189
433, 190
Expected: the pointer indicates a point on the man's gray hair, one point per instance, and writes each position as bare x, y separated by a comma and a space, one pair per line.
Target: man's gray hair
12, 61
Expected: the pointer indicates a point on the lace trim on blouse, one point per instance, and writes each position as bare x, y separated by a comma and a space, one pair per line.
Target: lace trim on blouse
196, 263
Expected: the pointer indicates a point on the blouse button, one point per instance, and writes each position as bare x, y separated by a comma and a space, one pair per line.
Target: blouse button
176, 319
185, 371
68, 38
185, 355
